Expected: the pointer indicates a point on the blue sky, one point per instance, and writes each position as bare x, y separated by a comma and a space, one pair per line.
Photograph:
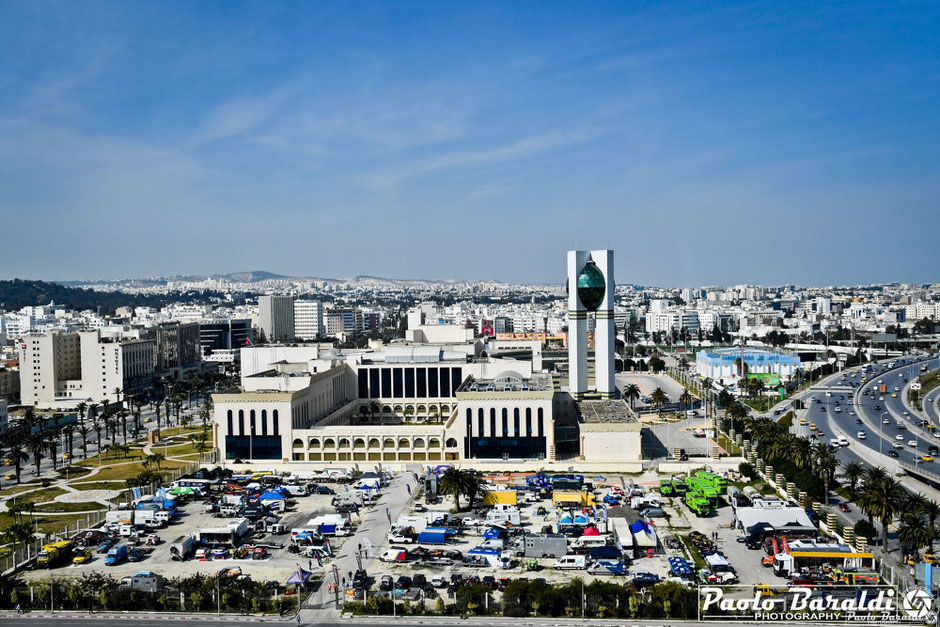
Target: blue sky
706, 143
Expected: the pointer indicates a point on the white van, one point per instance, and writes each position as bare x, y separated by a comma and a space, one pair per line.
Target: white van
843, 441
860, 435
570, 562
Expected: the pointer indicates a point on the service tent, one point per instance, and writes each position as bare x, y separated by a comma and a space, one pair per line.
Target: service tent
716, 560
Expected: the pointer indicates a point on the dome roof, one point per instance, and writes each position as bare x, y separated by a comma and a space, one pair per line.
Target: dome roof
591, 286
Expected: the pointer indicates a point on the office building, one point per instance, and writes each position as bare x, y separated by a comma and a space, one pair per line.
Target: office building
276, 318
308, 319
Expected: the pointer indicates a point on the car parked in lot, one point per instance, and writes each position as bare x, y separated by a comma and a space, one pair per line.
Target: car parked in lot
844, 507
644, 579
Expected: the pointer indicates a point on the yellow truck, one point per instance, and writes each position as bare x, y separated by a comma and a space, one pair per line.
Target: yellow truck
54, 553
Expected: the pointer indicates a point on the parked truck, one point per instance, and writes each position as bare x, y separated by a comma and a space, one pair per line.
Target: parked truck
182, 548
541, 545
54, 554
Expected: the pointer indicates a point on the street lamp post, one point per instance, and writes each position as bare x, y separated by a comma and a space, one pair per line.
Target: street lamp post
881, 440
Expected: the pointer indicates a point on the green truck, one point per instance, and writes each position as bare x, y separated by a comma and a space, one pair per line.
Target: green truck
698, 504
679, 486
704, 489
665, 487
717, 481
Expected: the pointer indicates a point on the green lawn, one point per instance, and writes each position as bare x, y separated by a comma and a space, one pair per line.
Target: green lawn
39, 496
70, 507
17, 489
693, 552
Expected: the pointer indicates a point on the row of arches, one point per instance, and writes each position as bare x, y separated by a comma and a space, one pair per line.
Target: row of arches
419, 409
316, 443
518, 427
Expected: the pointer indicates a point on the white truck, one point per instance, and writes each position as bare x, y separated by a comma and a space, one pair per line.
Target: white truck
541, 545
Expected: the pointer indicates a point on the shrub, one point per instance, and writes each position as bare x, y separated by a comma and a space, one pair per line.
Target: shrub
747, 470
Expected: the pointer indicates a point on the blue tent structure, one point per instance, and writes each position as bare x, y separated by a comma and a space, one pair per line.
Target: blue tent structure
679, 566
271, 496
299, 576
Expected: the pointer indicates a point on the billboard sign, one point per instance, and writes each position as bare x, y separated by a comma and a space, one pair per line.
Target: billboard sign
769, 378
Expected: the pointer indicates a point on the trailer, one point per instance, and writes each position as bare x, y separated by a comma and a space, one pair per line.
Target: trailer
433, 535
182, 548
511, 517
231, 534
330, 525
541, 545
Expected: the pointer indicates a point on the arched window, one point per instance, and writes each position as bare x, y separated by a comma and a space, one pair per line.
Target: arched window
445, 409
389, 443
344, 443
329, 443
528, 422
419, 442
480, 422
314, 443
251, 422
469, 422
505, 422
451, 443
298, 443
540, 424
229, 416
373, 443
492, 422
274, 420
264, 422
434, 443
241, 422
359, 443
403, 443
515, 422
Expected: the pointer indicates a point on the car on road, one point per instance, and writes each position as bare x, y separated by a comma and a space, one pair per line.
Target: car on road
812, 426
322, 489
105, 546
886, 421
858, 421
819, 433
892, 453
912, 443
136, 554
899, 436
861, 435
844, 507
10, 477
643, 580
822, 409
927, 458
894, 395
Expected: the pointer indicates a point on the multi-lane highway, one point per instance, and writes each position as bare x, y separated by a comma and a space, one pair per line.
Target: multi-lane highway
869, 419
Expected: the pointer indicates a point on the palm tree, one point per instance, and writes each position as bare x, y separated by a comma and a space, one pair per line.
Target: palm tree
914, 533
110, 424
932, 511
827, 464
408, 412
631, 392
83, 431
52, 444
96, 426
852, 472
916, 503
374, 408
17, 455
36, 443
156, 409
18, 532
884, 501
117, 395
122, 418
473, 486
82, 410
685, 399
453, 481
155, 458
69, 431
658, 398
801, 452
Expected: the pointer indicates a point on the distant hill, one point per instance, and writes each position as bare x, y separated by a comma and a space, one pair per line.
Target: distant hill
20, 293
254, 276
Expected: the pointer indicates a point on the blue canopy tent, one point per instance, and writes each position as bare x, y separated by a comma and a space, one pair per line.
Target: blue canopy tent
680, 567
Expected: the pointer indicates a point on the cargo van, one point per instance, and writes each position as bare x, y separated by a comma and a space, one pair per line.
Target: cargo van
570, 562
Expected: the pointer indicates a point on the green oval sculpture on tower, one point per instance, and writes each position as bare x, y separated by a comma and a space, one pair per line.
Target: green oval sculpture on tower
591, 286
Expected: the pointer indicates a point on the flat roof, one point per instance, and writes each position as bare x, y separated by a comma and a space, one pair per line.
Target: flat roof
600, 411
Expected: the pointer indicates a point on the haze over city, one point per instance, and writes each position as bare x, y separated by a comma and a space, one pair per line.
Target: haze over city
741, 143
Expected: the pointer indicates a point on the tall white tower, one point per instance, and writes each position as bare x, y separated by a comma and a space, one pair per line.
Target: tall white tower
591, 288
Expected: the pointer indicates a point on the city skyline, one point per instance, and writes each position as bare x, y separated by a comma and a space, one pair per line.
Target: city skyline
741, 144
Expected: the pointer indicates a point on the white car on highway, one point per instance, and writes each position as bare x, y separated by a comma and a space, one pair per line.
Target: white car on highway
899, 437
912, 443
